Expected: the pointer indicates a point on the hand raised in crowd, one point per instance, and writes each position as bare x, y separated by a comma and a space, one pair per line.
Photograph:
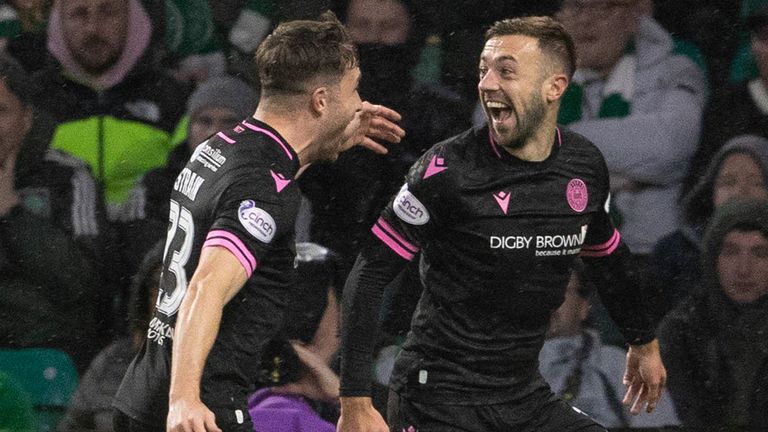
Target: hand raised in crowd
645, 377
373, 122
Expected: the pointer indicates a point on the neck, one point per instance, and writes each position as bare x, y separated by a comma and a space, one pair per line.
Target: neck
296, 126
537, 147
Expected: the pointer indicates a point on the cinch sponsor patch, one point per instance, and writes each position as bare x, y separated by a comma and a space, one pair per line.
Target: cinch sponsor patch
408, 208
257, 221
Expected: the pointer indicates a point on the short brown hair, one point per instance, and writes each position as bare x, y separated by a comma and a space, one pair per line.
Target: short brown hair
553, 39
298, 52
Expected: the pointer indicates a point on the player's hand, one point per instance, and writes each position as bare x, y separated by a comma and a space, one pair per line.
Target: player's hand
359, 415
190, 416
645, 377
374, 122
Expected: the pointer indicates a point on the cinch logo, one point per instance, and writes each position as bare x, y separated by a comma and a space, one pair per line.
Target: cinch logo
257, 221
408, 208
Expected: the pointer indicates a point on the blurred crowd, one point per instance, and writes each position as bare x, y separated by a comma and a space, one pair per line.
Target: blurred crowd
102, 103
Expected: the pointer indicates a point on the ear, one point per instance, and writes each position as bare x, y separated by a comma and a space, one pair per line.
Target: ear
319, 101
555, 86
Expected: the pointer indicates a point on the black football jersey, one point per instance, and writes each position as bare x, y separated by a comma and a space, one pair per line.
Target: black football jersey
237, 192
496, 237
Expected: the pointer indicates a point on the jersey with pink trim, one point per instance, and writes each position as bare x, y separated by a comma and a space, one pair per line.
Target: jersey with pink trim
496, 237
237, 192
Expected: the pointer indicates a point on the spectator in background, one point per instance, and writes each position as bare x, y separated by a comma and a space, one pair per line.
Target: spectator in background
640, 101
217, 104
389, 35
115, 111
302, 384
50, 234
586, 373
738, 108
91, 406
114, 108
714, 344
738, 170
22, 31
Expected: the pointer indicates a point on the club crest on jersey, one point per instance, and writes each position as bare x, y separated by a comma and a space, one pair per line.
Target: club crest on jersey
408, 208
257, 221
577, 195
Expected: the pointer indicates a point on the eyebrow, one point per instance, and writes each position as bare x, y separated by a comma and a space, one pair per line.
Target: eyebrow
506, 57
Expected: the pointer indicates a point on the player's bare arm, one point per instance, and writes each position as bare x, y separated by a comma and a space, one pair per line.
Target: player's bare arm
218, 278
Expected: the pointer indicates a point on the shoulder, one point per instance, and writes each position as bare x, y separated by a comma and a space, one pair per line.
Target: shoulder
579, 150
437, 162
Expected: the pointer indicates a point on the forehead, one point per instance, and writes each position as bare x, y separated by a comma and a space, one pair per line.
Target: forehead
71, 4
738, 158
513, 47
351, 76
746, 238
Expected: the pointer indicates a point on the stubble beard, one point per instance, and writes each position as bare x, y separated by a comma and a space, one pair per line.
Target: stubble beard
528, 123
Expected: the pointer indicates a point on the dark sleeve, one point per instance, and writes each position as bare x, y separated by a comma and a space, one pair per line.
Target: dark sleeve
250, 217
613, 271
375, 267
397, 238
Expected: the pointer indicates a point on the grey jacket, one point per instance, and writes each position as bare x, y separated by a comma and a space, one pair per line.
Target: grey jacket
653, 145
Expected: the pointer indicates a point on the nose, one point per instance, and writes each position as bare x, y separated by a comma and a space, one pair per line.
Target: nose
488, 82
745, 266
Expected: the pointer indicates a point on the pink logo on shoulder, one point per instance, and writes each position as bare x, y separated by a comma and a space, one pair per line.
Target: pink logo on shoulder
436, 166
577, 195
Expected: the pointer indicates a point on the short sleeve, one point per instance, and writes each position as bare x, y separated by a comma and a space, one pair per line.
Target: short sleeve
251, 217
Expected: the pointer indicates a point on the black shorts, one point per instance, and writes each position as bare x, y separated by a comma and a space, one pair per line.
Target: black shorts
226, 420
553, 415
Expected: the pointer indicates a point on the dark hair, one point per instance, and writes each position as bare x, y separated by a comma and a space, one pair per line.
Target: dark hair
553, 40
300, 51
16, 79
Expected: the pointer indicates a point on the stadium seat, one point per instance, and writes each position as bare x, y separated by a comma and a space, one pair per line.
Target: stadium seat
48, 375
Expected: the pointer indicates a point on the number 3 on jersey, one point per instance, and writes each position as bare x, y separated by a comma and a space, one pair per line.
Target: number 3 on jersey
181, 234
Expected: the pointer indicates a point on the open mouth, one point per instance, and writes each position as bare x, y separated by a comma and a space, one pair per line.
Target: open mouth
499, 111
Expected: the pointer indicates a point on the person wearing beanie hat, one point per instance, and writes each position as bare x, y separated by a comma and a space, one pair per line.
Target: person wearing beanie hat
217, 104
714, 343
738, 170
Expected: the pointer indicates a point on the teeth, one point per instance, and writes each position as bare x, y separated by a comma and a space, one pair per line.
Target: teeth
496, 105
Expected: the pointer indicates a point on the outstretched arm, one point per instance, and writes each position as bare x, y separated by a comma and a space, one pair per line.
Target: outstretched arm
376, 266
622, 293
219, 276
